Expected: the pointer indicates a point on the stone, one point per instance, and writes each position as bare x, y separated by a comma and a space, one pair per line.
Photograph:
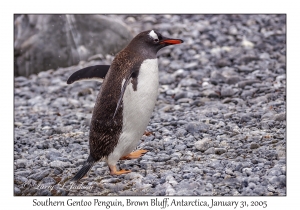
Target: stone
211, 93
248, 171
40, 175
223, 62
53, 155
21, 163
48, 181
17, 191
227, 92
188, 82
220, 151
59, 164
274, 180
85, 92
242, 84
211, 150
43, 192
231, 80
204, 144
195, 127
180, 95
146, 164
254, 146
20, 180
163, 158
245, 117
167, 78
217, 76
180, 132
282, 180
280, 117
23, 173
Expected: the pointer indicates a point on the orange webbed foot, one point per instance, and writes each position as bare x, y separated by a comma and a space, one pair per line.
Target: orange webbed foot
113, 171
134, 155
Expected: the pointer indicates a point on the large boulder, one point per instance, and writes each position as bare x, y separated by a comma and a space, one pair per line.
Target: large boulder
45, 42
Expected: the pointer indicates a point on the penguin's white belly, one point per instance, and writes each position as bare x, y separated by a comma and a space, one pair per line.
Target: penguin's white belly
137, 109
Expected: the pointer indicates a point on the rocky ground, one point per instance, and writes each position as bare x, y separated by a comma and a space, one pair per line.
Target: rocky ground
218, 128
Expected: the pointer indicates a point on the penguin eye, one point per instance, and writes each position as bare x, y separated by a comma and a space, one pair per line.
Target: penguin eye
156, 40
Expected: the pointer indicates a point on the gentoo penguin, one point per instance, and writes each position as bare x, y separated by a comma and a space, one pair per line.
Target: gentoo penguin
125, 101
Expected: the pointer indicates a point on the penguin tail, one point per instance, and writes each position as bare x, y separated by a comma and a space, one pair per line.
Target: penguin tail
85, 168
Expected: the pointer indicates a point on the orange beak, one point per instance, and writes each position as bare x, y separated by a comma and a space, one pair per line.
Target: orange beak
171, 41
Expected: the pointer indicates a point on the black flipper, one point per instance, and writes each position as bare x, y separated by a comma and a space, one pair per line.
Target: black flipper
89, 73
122, 93
85, 168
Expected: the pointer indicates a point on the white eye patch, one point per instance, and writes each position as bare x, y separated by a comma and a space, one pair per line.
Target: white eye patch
153, 34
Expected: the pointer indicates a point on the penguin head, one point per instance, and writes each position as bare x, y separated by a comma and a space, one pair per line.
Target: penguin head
153, 41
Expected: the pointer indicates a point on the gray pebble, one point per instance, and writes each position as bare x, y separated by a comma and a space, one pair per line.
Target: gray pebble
43, 192
210, 93
194, 127
242, 84
24, 173
48, 181
282, 180
254, 146
232, 80
20, 180
180, 95
21, 163
53, 155
274, 172
220, 151
247, 171
203, 144
167, 78
210, 151
227, 92
146, 164
245, 69
59, 164
274, 180
180, 132
280, 117
17, 191
40, 175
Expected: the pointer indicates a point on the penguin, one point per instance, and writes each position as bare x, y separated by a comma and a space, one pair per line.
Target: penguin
125, 101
